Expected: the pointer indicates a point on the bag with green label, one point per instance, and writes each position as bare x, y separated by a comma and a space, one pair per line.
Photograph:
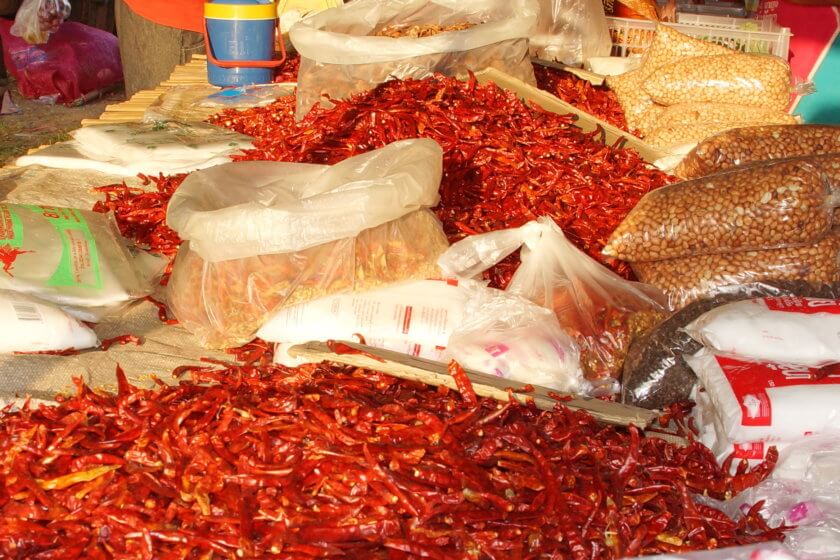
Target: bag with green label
73, 258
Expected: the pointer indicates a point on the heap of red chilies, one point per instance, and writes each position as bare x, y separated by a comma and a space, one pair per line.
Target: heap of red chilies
328, 461
505, 163
598, 101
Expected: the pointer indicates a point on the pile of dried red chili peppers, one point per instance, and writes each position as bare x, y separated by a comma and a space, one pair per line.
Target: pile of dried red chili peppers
598, 101
327, 461
505, 163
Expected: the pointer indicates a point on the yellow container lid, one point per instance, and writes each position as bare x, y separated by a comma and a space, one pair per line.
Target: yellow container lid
240, 11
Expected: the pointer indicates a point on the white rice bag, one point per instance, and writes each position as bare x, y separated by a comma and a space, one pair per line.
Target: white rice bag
789, 329
29, 325
765, 401
72, 258
414, 318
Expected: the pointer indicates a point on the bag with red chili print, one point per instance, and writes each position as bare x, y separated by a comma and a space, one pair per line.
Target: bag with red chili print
792, 329
766, 401
72, 258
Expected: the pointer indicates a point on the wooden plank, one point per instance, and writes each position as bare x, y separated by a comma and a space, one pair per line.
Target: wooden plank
435, 373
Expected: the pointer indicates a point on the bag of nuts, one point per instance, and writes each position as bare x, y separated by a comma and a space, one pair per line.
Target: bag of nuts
721, 113
672, 135
639, 109
751, 144
768, 206
669, 45
745, 79
688, 279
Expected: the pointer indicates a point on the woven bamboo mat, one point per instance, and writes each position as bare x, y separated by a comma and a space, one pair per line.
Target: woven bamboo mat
132, 110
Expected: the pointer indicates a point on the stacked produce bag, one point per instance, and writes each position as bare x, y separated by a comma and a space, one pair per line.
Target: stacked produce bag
687, 89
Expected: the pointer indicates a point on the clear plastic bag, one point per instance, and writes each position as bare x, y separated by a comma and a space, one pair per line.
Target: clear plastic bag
686, 280
722, 113
36, 20
341, 56
508, 336
756, 143
775, 205
744, 79
265, 235
599, 310
669, 45
72, 258
571, 31
760, 551
655, 372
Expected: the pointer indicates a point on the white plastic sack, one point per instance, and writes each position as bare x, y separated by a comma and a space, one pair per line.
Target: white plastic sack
791, 329
571, 31
254, 208
414, 318
36, 20
73, 258
510, 337
763, 401
584, 295
339, 55
29, 325
132, 148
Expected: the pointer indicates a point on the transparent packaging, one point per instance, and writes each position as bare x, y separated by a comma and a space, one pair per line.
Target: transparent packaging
744, 79
756, 143
36, 20
571, 31
601, 311
775, 205
691, 278
341, 54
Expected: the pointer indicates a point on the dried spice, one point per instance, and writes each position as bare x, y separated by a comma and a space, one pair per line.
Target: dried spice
418, 31
598, 101
505, 163
328, 461
288, 71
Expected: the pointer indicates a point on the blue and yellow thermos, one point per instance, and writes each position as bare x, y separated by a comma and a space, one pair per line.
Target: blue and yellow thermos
239, 38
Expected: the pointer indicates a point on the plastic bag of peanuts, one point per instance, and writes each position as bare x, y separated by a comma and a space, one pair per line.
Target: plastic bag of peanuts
744, 79
686, 280
756, 143
670, 136
766, 206
639, 109
669, 45
721, 113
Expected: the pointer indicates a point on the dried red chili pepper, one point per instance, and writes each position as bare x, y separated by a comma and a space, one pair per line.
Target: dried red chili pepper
288, 71
333, 461
505, 163
598, 101
121, 340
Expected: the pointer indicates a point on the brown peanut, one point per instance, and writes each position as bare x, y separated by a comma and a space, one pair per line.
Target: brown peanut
751, 144
689, 279
745, 79
769, 206
671, 136
635, 103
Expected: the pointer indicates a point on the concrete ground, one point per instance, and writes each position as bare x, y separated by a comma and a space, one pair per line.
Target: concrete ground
38, 124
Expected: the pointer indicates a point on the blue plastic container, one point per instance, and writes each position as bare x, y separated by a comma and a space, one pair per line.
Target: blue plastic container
240, 34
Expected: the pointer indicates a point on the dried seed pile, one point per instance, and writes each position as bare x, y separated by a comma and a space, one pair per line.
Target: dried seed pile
720, 113
753, 144
419, 31
325, 461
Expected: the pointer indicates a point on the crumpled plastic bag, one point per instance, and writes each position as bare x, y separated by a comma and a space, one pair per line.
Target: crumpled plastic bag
36, 20
571, 31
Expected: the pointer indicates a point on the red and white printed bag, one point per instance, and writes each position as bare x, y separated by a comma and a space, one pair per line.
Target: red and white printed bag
768, 402
778, 329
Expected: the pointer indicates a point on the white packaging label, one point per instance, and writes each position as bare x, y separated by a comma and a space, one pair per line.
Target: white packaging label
769, 402
414, 318
776, 329
29, 325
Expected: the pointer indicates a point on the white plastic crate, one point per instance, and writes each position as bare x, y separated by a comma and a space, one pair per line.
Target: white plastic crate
632, 37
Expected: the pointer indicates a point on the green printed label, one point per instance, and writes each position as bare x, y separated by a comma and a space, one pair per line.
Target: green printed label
11, 229
79, 264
